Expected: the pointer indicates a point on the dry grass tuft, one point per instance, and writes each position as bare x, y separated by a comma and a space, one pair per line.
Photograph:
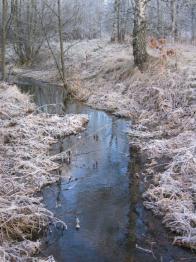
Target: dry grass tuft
173, 193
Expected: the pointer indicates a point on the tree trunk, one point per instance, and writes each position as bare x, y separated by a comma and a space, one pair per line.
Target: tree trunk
193, 22
123, 20
3, 39
174, 19
158, 19
116, 22
139, 34
61, 44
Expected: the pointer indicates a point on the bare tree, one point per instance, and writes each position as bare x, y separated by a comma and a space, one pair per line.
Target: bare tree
174, 19
60, 28
139, 34
193, 20
27, 36
116, 23
3, 39
27, 25
59, 63
119, 20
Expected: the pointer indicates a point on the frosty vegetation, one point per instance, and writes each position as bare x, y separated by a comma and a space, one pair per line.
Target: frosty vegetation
161, 104
105, 53
26, 166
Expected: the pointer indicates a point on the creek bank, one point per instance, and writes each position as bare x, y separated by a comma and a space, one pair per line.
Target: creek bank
161, 103
26, 166
101, 151
105, 193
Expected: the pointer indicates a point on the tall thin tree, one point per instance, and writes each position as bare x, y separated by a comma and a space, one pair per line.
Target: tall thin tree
174, 19
60, 29
139, 34
3, 39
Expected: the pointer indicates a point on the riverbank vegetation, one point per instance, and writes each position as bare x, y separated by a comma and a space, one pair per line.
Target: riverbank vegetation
161, 105
26, 166
135, 59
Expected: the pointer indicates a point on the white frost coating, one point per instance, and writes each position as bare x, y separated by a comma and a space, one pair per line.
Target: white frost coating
142, 8
161, 102
25, 166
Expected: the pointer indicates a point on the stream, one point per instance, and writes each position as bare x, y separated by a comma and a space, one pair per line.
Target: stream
101, 188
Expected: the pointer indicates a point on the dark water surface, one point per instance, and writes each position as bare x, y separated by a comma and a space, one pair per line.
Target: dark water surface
101, 188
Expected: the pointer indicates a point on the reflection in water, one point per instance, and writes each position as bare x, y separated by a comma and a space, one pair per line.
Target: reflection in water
48, 98
100, 196
135, 167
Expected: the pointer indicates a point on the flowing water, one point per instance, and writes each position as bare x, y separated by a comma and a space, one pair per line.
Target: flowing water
101, 188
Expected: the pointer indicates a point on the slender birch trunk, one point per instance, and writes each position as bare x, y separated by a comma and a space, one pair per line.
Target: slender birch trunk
139, 34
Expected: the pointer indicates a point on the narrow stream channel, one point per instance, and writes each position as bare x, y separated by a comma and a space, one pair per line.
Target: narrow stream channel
101, 188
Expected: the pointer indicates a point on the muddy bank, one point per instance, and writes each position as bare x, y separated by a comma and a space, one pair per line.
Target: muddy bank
26, 166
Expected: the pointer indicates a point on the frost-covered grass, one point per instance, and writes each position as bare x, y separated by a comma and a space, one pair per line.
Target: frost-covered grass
25, 167
160, 103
